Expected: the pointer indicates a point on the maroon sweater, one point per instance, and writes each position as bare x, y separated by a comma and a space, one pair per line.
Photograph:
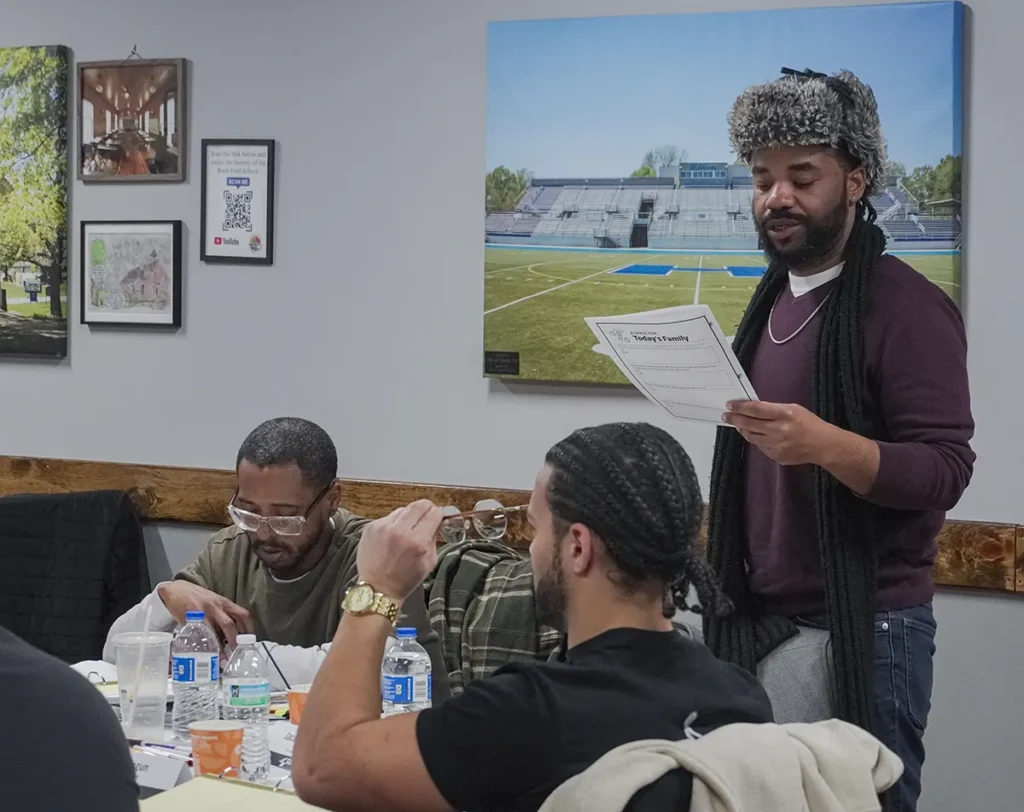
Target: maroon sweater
915, 380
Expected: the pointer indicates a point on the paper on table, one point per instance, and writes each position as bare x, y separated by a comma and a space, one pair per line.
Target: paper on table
678, 357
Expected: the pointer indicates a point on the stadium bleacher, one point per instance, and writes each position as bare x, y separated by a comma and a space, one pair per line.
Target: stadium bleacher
902, 229
514, 224
940, 228
607, 213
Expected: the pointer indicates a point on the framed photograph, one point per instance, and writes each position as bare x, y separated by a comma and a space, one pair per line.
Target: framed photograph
34, 171
131, 121
586, 218
237, 217
131, 272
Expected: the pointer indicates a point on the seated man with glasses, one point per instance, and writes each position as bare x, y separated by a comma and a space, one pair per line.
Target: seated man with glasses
282, 569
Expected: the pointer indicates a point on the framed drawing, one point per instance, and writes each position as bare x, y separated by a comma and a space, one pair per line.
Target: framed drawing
131, 121
131, 273
237, 207
587, 217
34, 201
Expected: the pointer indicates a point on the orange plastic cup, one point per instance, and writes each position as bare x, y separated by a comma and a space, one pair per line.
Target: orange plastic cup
297, 701
216, 747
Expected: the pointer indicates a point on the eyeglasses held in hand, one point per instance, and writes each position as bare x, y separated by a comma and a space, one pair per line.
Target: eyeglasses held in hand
489, 518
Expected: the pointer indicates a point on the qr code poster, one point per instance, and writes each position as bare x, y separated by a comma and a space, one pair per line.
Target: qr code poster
238, 202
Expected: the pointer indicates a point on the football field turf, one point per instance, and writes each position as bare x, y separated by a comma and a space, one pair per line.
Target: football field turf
535, 300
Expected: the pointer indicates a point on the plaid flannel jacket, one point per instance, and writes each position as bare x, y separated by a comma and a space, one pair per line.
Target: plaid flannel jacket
480, 602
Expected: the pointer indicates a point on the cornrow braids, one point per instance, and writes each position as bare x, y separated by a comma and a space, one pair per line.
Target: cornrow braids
844, 522
635, 487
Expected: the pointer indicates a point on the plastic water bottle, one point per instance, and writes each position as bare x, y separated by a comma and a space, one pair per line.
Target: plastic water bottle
405, 675
195, 674
246, 698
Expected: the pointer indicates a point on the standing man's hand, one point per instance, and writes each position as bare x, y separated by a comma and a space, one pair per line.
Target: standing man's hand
784, 432
398, 552
789, 434
227, 618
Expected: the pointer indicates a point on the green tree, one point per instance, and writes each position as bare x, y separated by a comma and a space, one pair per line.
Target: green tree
34, 159
505, 187
894, 169
919, 183
657, 158
18, 239
946, 179
930, 184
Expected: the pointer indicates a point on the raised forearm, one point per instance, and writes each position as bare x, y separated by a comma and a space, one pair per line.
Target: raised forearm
346, 691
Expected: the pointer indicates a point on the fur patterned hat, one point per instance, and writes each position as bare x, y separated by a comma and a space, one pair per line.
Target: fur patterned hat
807, 109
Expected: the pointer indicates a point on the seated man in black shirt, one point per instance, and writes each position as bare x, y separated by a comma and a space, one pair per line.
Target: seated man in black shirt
61, 746
615, 514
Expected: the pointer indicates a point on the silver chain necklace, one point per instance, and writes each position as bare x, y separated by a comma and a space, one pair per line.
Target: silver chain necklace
807, 321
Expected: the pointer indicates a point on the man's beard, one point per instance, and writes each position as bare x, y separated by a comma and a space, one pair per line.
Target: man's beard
549, 594
281, 556
819, 238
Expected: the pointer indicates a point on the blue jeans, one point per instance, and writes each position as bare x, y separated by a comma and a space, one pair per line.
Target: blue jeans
902, 674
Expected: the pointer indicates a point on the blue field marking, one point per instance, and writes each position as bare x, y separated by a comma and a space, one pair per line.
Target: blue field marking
736, 271
749, 271
647, 270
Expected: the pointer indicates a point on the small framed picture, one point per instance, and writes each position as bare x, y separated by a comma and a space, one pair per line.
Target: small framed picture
131, 272
131, 121
237, 208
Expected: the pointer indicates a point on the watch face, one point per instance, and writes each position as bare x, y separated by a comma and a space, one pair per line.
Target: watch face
359, 598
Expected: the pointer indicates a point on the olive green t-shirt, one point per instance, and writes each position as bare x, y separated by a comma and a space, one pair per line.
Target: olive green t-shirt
304, 611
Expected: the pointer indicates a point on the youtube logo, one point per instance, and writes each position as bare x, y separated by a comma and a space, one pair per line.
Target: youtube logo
218, 241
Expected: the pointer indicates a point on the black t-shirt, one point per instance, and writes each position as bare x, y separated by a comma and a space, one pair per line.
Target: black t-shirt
510, 740
62, 746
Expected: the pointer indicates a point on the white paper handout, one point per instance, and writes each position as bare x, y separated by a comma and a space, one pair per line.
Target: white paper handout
678, 357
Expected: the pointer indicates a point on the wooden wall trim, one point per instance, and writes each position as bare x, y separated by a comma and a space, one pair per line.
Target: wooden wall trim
974, 555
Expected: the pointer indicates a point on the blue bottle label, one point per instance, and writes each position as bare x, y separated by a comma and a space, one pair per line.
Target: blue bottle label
247, 695
195, 668
405, 690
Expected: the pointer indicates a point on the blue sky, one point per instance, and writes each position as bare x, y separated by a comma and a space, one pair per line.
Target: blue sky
587, 97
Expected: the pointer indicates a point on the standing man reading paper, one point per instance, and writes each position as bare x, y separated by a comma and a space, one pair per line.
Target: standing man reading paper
827, 498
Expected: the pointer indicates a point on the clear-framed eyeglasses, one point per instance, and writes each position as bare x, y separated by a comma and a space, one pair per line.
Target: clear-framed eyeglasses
280, 525
489, 518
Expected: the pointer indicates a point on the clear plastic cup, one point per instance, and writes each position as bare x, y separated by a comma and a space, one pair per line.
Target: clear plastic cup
143, 662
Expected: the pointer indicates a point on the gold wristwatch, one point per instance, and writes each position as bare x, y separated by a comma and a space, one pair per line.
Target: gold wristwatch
362, 599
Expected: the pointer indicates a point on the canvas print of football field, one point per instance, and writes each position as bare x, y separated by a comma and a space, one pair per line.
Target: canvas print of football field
611, 186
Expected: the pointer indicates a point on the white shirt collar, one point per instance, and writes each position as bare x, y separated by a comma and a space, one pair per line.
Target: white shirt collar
800, 285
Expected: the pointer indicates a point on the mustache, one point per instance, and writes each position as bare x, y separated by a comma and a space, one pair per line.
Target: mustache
783, 218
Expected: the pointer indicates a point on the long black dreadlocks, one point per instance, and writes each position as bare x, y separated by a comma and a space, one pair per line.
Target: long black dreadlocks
635, 487
845, 522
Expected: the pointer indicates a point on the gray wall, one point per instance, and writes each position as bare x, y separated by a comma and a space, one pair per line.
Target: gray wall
337, 330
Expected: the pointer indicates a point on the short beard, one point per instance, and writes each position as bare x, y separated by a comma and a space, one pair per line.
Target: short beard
549, 594
820, 236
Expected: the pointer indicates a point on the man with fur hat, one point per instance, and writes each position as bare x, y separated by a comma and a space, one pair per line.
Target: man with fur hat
828, 494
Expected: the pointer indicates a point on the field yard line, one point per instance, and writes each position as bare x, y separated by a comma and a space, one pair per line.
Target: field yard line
534, 265
556, 287
545, 275
696, 292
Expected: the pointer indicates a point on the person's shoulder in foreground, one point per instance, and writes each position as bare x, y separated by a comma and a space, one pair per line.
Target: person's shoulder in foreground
615, 514
556, 719
63, 747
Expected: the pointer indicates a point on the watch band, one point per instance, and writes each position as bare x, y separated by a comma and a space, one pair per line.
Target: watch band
385, 606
